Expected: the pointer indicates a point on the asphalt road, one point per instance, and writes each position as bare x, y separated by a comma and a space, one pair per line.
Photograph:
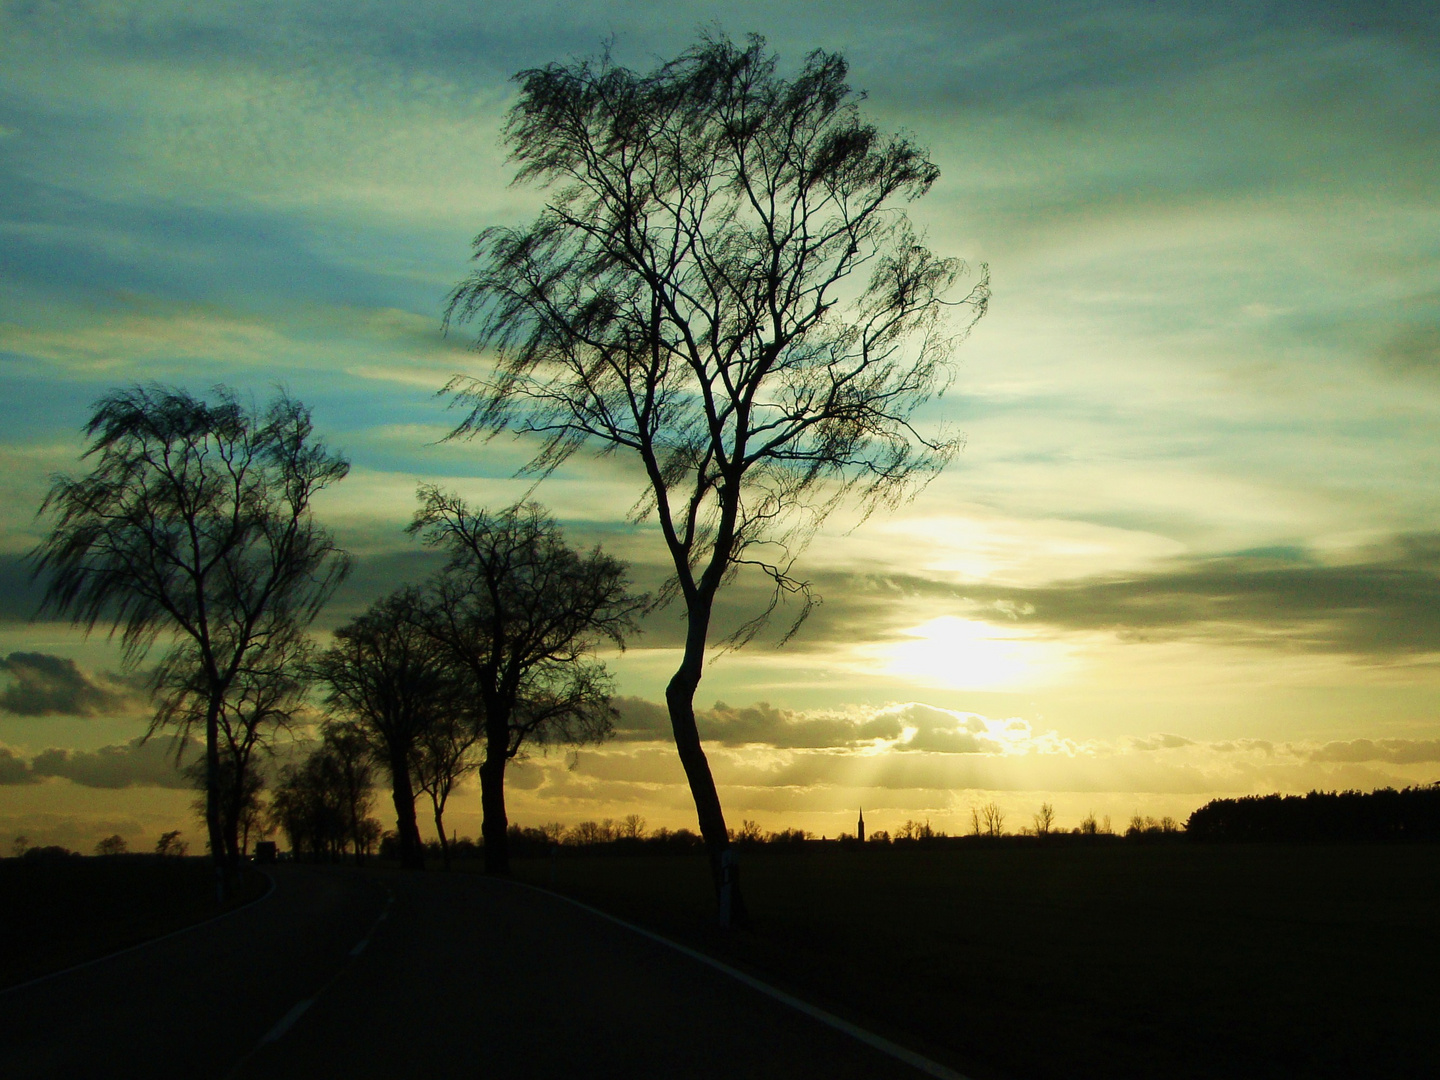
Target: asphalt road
338, 974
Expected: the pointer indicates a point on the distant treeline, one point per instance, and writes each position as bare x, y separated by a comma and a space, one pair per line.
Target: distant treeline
630, 837
1387, 814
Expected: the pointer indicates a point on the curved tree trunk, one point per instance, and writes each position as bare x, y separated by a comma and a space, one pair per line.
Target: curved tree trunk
680, 698
412, 849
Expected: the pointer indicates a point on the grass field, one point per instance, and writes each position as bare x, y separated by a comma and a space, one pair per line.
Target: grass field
59, 912
1121, 960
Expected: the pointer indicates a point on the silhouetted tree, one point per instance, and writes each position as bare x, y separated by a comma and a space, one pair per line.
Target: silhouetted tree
323, 803
352, 751
444, 753
749, 833
988, 821
387, 672
918, 830
49, 852
195, 525
253, 820
1145, 827
1383, 814
522, 612
238, 790
588, 833
724, 285
1044, 819
112, 845
267, 693
171, 845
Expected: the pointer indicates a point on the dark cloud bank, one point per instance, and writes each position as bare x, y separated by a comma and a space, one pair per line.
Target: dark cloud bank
1386, 603
644, 721
941, 731
39, 684
139, 763
1381, 604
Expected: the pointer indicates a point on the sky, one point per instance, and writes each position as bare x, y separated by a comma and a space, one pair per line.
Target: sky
1191, 548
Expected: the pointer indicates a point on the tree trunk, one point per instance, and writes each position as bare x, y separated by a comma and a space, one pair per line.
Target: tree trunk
212, 796
412, 849
440, 832
230, 822
354, 799
680, 697
493, 823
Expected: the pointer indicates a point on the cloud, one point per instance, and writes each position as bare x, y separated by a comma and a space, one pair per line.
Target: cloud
1393, 751
910, 726
1161, 742
956, 764
941, 731
12, 768
1413, 351
943, 763
1378, 602
764, 723
139, 763
641, 720
761, 723
19, 592
46, 685
761, 754
1383, 602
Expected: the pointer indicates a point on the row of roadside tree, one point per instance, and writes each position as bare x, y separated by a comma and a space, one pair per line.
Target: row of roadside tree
723, 287
193, 536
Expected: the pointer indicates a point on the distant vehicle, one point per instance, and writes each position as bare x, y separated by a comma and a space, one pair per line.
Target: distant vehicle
265, 851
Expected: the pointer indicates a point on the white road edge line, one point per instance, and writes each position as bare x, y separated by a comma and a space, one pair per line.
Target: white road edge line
869, 1038
287, 1021
145, 944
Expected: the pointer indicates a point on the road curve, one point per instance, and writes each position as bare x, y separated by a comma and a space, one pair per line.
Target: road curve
425, 976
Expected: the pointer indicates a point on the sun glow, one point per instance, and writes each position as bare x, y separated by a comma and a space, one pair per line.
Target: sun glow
967, 654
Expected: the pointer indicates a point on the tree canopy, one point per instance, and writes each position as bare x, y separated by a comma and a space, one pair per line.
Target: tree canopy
388, 673
195, 524
723, 283
522, 613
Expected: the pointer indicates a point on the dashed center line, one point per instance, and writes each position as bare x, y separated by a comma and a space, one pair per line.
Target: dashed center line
297, 1010
287, 1021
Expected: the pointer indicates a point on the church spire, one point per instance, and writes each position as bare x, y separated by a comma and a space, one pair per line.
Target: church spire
860, 828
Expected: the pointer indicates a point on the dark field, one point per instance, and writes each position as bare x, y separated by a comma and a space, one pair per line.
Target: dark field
1121, 960
60, 912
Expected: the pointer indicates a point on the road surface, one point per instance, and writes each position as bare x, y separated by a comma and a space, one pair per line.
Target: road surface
341, 974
